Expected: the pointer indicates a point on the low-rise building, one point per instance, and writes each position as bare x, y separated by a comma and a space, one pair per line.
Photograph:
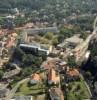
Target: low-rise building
53, 77
71, 42
73, 74
35, 78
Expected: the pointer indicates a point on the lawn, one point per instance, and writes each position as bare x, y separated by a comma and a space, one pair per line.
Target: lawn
77, 91
25, 89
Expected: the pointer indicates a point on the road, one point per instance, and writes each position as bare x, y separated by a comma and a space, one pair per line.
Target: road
12, 92
86, 85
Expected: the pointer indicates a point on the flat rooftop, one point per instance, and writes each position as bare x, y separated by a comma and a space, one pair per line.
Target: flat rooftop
33, 31
75, 39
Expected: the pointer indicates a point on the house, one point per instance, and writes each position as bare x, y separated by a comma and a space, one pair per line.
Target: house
73, 74
52, 73
56, 94
29, 25
53, 77
14, 34
35, 78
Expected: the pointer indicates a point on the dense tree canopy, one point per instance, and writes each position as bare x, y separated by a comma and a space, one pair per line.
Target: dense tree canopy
57, 7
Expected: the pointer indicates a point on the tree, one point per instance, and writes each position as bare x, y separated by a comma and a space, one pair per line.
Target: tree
1, 73
66, 32
49, 35
19, 21
88, 74
38, 61
18, 54
28, 59
71, 62
27, 71
60, 38
55, 41
84, 35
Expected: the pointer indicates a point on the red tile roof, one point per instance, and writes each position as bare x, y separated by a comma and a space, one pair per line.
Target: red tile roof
73, 72
36, 77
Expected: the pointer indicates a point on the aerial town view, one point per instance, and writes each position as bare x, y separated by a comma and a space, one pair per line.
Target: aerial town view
48, 49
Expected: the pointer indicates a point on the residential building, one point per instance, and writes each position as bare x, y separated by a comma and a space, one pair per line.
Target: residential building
53, 77
35, 78
73, 74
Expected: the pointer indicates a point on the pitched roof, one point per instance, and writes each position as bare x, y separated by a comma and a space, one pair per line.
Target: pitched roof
36, 77
73, 72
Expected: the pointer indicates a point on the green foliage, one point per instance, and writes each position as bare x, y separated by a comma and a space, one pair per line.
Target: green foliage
88, 74
60, 38
27, 59
27, 71
66, 32
18, 54
53, 9
55, 41
1, 73
49, 35
24, 89
84, 35
71, 62
17, 78
77, 91
93, 48
19, 21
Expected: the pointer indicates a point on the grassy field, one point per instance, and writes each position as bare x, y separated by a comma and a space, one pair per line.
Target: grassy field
77, 91
25, 89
